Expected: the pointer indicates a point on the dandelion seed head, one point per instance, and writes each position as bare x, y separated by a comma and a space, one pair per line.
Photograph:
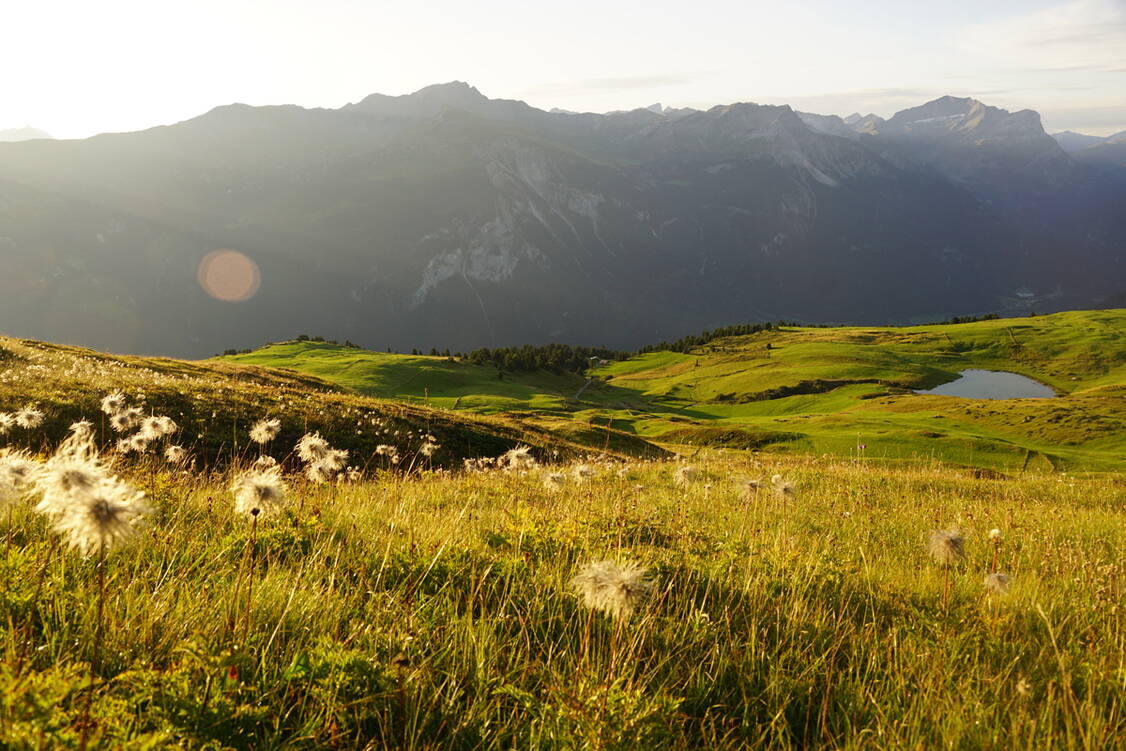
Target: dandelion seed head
29, 418
312, 448
946, 547
126, 419
100, 518
582, 472
684, 474
613, 589
554, 480
264, 431
82, 429
17, 471
113, 403
519, 459
265, 462
996, 583
259, 492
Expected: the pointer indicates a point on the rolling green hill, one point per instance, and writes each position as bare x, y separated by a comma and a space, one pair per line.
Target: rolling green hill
214, 403
840, 391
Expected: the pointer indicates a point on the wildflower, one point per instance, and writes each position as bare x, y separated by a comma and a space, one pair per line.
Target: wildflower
138, 443
175, 454
312, 448
113, 403
782, 488
615, 590
264, 431
155, 428
259, 492
994, 535
82, 428
73, 471
17, 470
265, 462
582, 472
7, 422
29, 418
750, 488
100, 518
429, 446
684, 474
126, 419
1024, 688
554, 480
519, 459
996, 583
947, 547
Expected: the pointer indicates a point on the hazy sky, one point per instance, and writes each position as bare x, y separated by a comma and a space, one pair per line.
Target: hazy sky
79, 67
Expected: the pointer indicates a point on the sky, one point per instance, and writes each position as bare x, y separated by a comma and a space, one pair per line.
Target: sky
76, 68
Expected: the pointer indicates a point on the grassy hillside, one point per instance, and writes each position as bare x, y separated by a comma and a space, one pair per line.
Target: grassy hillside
438, 381
215, 402
437, 612
843, 391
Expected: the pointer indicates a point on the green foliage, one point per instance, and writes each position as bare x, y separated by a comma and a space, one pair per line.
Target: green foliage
435, 612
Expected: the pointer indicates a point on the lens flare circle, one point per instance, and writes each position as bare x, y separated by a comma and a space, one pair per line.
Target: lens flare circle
228, 275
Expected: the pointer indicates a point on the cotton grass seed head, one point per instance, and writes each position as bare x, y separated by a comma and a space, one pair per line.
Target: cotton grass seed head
157, 427
946, 547
101, 518
81, 429
17, 471
126, 419
554, 480
782, 488
312, 448
259, 493
996, 584
29, 418
519, 459
613, 589
113, 403
264, 431
70, 475
265, 462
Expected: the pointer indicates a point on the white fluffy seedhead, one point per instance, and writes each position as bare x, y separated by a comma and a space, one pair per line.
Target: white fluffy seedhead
613, 589
264, 431
259, 493
946, 547
100, 518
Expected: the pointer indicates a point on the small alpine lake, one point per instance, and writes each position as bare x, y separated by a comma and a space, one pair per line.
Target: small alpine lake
992, 384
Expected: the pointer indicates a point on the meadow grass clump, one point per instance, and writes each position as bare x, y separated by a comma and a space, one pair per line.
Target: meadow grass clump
437, 610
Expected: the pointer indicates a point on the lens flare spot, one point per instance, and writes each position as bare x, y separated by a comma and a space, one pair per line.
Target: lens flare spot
229, 275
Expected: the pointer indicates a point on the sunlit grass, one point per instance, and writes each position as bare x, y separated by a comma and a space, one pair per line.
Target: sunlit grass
436, 611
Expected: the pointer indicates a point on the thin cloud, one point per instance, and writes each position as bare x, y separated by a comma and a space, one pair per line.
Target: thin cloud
1080, 35
615, 84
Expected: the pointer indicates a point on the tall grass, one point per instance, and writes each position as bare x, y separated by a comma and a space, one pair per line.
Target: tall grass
436, 612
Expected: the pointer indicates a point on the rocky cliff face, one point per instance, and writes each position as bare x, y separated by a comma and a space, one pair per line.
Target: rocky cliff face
447, 219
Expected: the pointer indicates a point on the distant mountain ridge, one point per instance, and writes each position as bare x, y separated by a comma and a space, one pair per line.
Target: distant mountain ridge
444, 218
26, 133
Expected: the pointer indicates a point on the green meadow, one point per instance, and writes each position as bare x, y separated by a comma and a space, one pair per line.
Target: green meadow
434, 610
841, 391
781, 503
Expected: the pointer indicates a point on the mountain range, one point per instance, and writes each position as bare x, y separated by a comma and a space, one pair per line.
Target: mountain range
444, 218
